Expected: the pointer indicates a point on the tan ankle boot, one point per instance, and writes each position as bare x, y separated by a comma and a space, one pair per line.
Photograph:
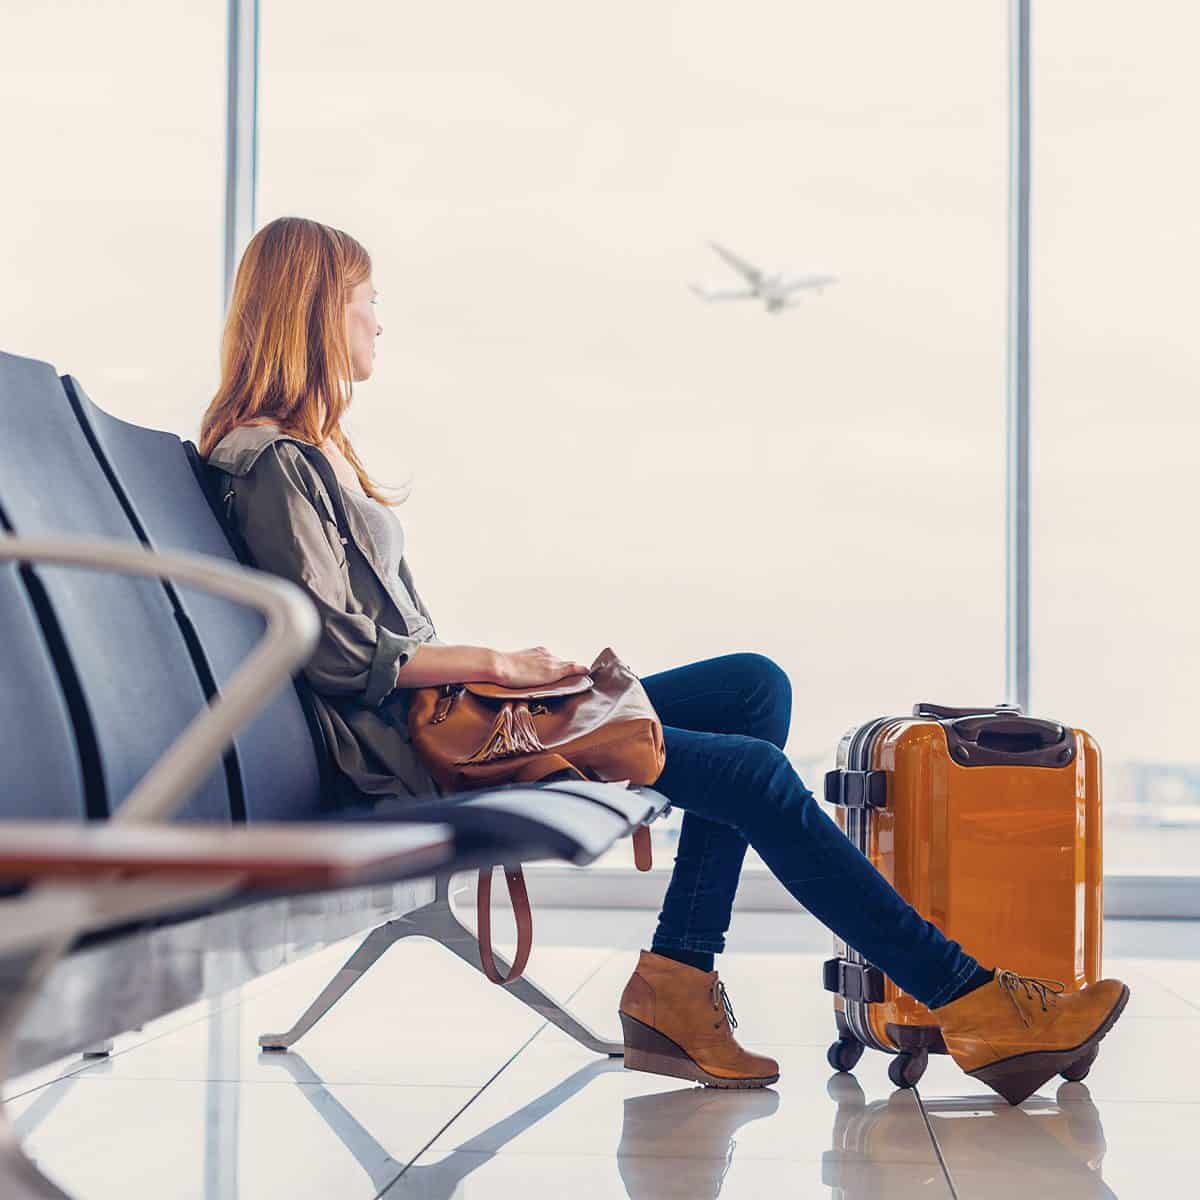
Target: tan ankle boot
1016, 1032
678, 1021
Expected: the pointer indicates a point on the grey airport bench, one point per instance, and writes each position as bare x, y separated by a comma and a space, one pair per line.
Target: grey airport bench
165, 813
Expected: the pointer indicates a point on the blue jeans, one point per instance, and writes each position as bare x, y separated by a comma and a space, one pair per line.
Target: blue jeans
725, 722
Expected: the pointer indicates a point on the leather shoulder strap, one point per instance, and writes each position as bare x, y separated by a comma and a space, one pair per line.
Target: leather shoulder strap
320, 464
519, 895
643, 856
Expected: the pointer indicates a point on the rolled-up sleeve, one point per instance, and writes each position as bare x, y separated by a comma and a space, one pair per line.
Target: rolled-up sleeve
285, 532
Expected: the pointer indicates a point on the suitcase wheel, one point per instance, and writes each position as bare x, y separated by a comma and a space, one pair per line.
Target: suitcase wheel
844, 1054
1079, 1070
905, 1070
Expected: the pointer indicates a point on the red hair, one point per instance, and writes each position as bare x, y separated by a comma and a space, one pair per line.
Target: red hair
285, 358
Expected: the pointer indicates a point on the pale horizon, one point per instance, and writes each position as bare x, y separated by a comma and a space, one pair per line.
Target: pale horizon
600, 458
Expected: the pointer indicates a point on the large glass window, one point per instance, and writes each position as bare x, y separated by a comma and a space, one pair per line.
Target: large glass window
1116, 642
602, 458
112, 199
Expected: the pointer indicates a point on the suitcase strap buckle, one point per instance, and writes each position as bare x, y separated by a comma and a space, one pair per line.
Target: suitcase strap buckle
856, 789
854, 981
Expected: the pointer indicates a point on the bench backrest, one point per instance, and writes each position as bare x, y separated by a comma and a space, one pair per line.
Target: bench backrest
101, 672
277, 773
42, 773
119, 638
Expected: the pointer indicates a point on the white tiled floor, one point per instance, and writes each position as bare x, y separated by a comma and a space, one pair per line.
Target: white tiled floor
428, 1082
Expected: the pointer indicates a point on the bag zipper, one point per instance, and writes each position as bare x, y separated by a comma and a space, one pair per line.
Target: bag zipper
449, 698
447, 701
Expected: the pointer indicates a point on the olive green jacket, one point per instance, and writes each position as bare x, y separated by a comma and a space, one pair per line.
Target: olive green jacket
284, 512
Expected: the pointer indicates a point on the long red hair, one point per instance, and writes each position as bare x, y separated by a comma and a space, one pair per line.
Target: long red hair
285, 358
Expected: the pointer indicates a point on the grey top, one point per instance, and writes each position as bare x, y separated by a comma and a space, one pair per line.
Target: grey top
388, 536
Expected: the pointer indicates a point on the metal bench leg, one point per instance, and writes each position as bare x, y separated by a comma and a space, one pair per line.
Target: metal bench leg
441, 923
438, 921
357, 965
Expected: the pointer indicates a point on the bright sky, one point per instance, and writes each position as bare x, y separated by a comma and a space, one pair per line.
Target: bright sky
600, 458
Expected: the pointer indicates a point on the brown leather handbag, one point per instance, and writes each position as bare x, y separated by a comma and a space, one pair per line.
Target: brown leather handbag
598, 726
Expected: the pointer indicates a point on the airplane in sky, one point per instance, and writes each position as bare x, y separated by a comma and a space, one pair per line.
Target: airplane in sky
775, 291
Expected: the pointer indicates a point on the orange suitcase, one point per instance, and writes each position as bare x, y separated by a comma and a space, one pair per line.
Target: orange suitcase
989, 823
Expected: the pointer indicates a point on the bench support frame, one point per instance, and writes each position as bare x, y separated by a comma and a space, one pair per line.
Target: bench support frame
439, 922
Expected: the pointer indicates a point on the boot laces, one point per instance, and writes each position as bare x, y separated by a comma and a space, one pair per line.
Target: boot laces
1043, 990
720, 1000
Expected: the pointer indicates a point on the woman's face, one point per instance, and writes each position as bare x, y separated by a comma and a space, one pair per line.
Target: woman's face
362, 328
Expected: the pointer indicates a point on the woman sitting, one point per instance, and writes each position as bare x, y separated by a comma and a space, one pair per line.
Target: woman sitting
300, 331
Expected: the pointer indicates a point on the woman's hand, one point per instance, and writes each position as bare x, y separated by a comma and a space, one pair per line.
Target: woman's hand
531, 668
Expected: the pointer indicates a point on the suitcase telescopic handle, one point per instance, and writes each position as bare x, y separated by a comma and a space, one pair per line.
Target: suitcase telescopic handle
1000, 739
941, 712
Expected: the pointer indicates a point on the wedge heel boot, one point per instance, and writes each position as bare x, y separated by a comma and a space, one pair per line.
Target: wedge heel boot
678, 1021
1017, 1031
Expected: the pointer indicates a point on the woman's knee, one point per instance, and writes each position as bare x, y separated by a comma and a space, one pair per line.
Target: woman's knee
767, 673
765, 678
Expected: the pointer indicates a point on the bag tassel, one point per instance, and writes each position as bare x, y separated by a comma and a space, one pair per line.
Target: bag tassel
513, 732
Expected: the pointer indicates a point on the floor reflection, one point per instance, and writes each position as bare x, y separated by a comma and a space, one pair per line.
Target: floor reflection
683, 1141
1042, 1148
443, 1179
704, 1119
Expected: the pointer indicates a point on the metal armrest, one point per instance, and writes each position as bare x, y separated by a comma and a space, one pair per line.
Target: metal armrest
61, 911
293, 628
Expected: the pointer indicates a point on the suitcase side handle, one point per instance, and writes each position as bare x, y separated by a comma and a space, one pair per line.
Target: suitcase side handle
856, 789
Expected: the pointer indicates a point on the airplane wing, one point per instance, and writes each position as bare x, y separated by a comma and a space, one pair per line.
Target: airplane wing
753, 274
707, 294
796, 282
